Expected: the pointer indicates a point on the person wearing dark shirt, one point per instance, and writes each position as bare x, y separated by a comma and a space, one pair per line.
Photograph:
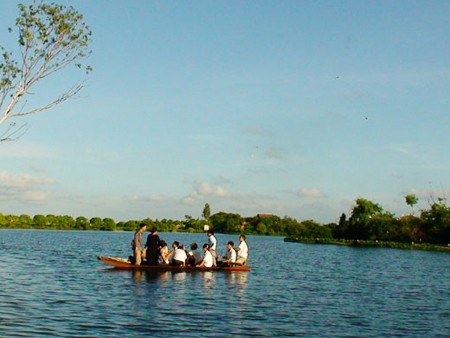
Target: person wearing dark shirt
152, 244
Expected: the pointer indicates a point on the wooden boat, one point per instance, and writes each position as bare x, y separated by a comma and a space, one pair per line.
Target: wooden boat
123, 264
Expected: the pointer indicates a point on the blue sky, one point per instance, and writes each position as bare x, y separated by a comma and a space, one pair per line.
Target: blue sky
294, 108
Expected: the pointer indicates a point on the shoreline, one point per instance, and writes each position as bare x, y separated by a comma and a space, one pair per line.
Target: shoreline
370, 244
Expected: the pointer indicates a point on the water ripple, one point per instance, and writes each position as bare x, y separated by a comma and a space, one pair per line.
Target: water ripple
52, 285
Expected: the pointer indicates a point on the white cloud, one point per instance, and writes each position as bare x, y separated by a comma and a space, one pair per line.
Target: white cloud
146, 198
252, 131
23, 187
204, 190
274, 153
311, 192
23, 150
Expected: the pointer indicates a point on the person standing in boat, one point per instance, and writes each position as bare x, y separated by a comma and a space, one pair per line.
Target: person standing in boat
242, 251
212, 245
137, 244
152, 245
207, 261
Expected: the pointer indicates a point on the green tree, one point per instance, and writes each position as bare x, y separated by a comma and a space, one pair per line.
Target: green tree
52, 222
50, 37
411, 200
109, 224
65, 222
12, 221
261, 228
3, 223
82, 223
206, 212
25, 221
358, 226
96, 223
436, 223
226, 222
40, 221
292, 227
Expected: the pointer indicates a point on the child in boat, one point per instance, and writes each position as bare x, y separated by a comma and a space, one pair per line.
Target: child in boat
207, 257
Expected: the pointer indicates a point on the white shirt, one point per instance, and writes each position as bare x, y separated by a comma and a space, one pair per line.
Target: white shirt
208, 259
212, 242
231, 255
243, 250
179, 255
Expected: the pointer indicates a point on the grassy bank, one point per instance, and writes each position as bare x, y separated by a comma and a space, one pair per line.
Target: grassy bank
370, 244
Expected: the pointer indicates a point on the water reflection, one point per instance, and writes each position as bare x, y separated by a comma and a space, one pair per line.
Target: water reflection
238, 280
208, 279
137, 275
179, 276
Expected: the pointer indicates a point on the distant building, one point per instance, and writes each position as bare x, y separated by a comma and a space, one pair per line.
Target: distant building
264, 216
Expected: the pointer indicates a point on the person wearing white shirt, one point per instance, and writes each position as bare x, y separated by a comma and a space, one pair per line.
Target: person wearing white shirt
230, 257
212, 245
242, 251
179, 255
207, 261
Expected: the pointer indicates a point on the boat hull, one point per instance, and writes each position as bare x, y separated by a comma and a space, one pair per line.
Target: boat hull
122, 264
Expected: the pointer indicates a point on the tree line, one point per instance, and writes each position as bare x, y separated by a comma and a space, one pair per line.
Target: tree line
367, 221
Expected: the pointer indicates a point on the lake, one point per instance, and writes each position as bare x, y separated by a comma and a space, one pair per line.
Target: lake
51, 284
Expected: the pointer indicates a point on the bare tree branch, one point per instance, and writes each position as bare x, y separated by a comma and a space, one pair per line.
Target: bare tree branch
50, 37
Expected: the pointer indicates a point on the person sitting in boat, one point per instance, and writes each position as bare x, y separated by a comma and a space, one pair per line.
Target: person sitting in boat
212, 241
207, 257
242, 251
179, 256
230, 258
163, 253
194, 257
152, 246
137, 244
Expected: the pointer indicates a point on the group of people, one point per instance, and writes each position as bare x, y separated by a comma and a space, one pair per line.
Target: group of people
156, 251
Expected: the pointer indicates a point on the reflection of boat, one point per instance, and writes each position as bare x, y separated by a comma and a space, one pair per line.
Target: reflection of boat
120, 263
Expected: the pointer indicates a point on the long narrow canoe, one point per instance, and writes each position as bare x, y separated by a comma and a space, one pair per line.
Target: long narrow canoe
123, 264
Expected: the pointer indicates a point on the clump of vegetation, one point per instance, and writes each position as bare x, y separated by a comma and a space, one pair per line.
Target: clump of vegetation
368, 225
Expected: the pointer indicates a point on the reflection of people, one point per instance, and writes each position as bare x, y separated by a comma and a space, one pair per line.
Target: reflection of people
152, 247
212, 245
207, 261
230, 257
242, 251
194, 257
137, 244
178, 255
238, 279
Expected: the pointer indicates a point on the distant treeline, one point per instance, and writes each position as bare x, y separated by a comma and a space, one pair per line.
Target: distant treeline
367, 221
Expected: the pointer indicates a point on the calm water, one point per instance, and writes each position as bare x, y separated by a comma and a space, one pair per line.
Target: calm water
52, 285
